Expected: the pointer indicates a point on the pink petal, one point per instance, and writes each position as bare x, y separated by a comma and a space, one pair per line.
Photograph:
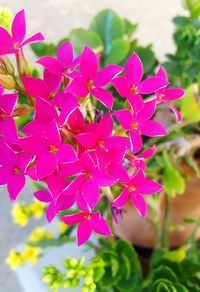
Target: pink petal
148, 152
19, 27
147, 111
8, 131
45, 165
162, 73
51, 64
76, 120
15, 185
78, 87
71, 168
121, 85
65, 54
91, 193
36, 38
5, 173
64, 203
45, 111
121, 200
175, 111
73, 218
43, 196
125, 118
100, 226
136, 101
103, 96
107, 74
33, 144
6, 42
66, 153
118, 172
173, 93
35, 87
117, 143
8, 102
105, 127
151, 84
89, 64
134, 69
52, 81
84, 232
51, 212
87, 140
136, 141
138, 179
139, 203
101, 178
74, 186
149, 187
153, 129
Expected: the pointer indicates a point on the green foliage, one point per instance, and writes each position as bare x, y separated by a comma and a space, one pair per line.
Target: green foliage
190, 108
110, 36
183, 67
172, 179
114, 269
172, 273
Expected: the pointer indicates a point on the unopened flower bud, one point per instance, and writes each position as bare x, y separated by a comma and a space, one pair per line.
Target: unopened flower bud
5, 61
7, 82
22, 65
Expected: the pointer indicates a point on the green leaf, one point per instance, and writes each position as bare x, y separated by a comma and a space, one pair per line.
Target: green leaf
147, 57
112, 271
129, 27
80, 37
109, 26
133, 283
164, 272
41, 49
98, 265
118, 52
173, 182
190, 109
193, 6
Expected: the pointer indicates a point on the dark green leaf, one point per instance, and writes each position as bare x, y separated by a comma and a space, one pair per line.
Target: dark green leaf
118, 52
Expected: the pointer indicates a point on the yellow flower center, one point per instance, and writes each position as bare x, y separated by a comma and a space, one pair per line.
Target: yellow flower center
132, 188
17, 170
52, 95
90, 84
3, 115
161, 96
134, 89
87, 217
53, 149
16, 46
134, 125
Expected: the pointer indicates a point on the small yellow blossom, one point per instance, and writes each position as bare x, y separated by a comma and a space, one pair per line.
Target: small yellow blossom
38, 234
62, 227
6, 18
14, 260
37, 209
20, 214
31, 254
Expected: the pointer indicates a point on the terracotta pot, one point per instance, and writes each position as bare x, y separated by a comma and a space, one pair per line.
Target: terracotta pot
140, 232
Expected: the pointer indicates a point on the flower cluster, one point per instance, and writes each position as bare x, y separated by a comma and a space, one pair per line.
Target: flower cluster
75, 149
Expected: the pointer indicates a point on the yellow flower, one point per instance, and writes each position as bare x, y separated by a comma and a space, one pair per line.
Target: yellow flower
6, 18
62, 227
38, 234
14, 260
37, 209
31, 254
20, 214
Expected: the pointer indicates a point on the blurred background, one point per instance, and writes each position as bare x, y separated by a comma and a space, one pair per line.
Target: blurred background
55, 19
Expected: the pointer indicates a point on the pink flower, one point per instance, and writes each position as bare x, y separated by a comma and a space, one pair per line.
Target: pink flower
85, 187
165, 95
8, 129
56, 183
135, 187
48, 149
101, 137
139, 123
91, 81
11, 44
47, 89
131, 86
88, 223
13, 167
138, 161
64, 63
